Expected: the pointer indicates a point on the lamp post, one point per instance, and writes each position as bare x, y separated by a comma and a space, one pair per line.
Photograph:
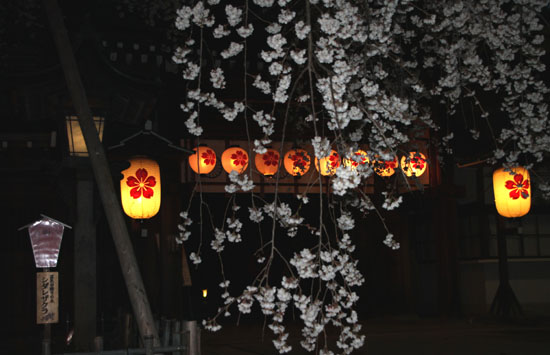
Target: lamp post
46, 234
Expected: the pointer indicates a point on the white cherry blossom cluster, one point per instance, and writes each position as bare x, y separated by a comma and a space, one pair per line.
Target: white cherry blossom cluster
238, 182
183, 227
390, 242
499, 49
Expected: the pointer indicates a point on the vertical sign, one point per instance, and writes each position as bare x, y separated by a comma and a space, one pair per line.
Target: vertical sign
47, 302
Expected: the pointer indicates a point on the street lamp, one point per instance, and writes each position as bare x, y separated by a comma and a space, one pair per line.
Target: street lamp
77, 145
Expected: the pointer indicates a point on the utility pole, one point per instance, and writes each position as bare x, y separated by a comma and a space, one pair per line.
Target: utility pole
102, 174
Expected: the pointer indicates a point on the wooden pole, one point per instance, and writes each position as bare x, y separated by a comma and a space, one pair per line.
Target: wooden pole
130, 271
505, 303
85, 290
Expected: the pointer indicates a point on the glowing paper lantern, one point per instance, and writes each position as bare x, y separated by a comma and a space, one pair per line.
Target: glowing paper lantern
415, 165
267, 163
234, 158
203, 161
327, 166
297, 162
512, 191
140, 188
360, 157
386, 168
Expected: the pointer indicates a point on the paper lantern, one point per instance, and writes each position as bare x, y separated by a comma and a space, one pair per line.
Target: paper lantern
360, 157
297, 162
385, 168
512, 191
415, 165
267, 163
234, 158
203, 161
140, 188
327, 166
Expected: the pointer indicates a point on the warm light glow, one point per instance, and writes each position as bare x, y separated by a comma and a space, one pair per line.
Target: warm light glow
360, 157
414, 166
234, 158
204, 293
267, 163
385, 168
203, 161
297, 162
77, 145
140, 188
327, 166
512, 191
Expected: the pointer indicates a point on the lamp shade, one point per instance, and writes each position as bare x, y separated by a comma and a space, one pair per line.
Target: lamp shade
234, 158
203, 161
46, 235
512, 191
297, 162
140, 188
386, 168
360, 157
268, 162
415, 165
327, 166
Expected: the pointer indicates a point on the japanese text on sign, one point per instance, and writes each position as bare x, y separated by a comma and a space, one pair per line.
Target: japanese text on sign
47, 297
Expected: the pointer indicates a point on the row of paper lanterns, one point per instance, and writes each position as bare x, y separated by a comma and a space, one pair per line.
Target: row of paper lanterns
140, 188
297, 162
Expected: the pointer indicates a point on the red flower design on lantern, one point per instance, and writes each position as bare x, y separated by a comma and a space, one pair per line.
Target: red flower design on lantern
271, 158
239, 158
209, 157
518, 186
390, 164
334, 161
299, 160
141, 184
418, 163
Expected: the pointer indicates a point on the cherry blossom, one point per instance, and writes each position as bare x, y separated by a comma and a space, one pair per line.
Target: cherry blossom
352, 75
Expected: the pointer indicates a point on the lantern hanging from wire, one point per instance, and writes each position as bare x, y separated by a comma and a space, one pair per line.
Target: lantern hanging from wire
297, 162
385, 168
234, 159
414, 165
203, 161
140, 188
512, 189
327, 166
268, 162
359, 157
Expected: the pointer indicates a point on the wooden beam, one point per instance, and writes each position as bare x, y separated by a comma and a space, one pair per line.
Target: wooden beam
85, 285
117, 225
